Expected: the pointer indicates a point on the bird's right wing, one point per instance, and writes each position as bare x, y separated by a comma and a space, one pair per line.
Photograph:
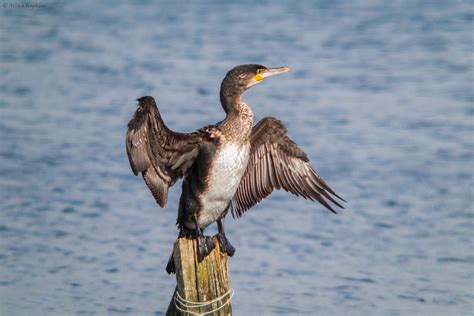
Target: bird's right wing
161, 155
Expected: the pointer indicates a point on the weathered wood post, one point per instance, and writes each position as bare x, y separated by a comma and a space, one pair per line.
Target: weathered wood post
202, 287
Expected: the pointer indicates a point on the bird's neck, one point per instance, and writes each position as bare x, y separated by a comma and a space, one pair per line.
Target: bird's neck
238, 122
230, 98
240, 111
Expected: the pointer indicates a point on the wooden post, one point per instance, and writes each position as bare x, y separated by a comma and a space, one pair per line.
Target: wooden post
200, 282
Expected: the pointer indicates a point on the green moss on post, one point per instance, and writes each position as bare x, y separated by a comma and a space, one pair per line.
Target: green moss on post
200, 282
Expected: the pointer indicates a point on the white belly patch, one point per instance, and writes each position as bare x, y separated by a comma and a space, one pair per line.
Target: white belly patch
225, 175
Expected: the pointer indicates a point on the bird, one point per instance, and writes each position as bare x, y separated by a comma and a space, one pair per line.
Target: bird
229, 165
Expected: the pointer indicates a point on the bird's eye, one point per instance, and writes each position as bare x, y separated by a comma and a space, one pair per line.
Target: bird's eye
259, 75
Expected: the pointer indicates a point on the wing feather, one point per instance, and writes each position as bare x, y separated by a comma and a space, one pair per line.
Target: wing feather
276, 162
161, 155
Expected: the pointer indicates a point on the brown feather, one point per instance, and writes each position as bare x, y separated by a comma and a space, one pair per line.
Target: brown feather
161, 155
276, 162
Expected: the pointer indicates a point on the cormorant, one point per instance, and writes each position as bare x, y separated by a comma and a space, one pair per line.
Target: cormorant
231, 164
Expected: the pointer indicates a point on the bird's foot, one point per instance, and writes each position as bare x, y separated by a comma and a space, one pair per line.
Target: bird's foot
226, 246
170, 268
205, 245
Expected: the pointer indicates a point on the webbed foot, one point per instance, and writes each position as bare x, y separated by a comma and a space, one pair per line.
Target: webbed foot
205, 245
226, 246
170, 268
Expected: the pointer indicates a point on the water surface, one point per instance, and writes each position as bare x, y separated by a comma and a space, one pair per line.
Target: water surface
380, 98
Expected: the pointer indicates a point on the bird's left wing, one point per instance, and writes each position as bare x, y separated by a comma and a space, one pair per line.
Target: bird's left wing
277, 162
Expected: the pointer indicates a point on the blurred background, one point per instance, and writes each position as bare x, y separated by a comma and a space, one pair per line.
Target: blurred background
380, 97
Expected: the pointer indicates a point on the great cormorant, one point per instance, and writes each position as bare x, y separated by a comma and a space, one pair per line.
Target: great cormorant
231, 164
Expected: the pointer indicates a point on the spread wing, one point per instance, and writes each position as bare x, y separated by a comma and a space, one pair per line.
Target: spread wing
276, 162
161, 155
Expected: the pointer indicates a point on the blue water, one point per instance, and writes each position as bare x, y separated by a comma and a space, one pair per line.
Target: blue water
380, 97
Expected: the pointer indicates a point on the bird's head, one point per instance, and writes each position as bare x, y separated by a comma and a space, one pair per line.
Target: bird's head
242, 77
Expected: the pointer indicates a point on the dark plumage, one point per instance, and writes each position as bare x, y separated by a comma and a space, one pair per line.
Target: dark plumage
277, 162
231, 163
161, 155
